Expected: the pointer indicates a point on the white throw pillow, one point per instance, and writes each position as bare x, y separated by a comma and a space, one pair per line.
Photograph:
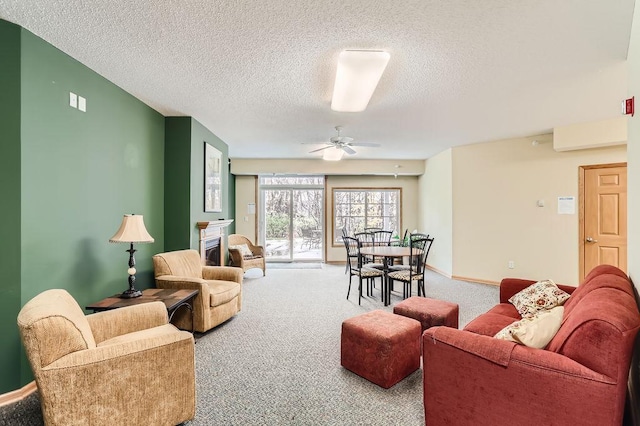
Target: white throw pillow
540, 296
536, 331
243, 248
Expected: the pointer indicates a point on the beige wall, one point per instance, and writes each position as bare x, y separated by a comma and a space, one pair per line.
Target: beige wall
634, 154
496, 220
246, 194
435, 210
595, 134
249, 166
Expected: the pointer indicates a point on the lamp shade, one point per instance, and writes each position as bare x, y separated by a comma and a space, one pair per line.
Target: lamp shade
132, 230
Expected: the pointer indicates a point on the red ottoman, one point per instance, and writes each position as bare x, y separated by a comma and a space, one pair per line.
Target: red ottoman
381, 347
430, 312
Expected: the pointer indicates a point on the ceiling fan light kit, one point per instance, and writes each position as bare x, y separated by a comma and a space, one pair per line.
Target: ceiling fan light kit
357, 76
332, 154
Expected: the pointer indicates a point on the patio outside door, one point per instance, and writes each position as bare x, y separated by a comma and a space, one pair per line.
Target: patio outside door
292, 229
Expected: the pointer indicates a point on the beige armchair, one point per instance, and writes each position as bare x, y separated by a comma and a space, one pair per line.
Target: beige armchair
220, 288
123, 366
246, 261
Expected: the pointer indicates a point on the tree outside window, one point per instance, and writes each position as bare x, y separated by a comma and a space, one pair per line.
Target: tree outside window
356, 209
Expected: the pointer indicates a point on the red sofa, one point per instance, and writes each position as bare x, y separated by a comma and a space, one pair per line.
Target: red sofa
580, 377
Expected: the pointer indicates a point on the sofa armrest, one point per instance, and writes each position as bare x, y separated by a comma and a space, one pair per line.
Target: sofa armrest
116, 322
505, 353
486, 347
187, 283
181, 283
224, 273
466, 382
120, 351
511, 286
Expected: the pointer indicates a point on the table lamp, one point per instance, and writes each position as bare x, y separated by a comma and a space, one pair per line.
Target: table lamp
131, 231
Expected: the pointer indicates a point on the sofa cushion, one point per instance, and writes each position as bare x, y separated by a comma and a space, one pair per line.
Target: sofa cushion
540, 296
506, 309
488, 324
536, 331
221, 292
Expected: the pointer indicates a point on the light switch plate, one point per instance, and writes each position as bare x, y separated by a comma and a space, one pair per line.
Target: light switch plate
82, 104
73, 100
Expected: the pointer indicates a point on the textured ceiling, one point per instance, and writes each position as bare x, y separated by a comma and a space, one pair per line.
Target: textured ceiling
259, 74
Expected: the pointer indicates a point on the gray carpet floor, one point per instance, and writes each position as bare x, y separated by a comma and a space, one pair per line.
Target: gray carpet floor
278, 361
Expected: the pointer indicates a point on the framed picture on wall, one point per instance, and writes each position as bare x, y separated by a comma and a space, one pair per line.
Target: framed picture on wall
212, 179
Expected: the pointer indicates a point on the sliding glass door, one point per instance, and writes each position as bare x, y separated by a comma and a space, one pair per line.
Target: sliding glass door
292, 212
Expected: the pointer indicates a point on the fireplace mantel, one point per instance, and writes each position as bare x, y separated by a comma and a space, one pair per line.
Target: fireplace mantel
211, 230
223, 223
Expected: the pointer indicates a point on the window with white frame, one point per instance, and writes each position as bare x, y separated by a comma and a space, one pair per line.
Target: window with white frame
355, 209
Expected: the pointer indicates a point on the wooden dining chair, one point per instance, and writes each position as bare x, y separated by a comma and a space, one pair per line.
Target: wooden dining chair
352, 245
420, 246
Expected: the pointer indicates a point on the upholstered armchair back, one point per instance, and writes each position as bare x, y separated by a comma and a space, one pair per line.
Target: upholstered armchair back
52, 325
133, 369
183, 263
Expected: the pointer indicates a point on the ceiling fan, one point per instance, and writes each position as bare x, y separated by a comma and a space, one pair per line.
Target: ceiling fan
340, 142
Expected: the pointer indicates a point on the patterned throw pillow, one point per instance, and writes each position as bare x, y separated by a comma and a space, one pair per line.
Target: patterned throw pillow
540, 296
536, 331
243, 248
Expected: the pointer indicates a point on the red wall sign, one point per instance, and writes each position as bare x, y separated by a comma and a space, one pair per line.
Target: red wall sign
627, 106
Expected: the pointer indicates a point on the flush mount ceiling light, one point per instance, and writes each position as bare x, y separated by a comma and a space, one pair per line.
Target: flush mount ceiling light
358, 74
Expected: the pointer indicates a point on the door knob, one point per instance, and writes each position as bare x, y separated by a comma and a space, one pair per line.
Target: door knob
591, 240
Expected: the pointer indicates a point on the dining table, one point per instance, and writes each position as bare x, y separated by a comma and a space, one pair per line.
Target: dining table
388, 253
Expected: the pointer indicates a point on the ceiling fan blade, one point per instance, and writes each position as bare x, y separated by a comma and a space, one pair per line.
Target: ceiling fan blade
314, 143
348, 150
365, 144
321, 149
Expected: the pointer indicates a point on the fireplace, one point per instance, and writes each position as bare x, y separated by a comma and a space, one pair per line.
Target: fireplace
212, 241
212, 252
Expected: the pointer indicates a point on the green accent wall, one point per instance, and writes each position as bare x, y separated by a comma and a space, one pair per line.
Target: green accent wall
10, 212
73, 176
67, 177
177, 230
184, 177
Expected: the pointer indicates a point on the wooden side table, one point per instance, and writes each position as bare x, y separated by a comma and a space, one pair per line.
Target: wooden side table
173, 300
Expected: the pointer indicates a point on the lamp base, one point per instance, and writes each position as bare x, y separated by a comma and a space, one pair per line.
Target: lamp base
130, 294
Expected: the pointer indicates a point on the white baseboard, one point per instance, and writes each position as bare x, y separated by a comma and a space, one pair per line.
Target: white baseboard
18, 395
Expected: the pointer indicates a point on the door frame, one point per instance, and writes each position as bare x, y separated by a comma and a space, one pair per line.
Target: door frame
261, 214
581, 197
